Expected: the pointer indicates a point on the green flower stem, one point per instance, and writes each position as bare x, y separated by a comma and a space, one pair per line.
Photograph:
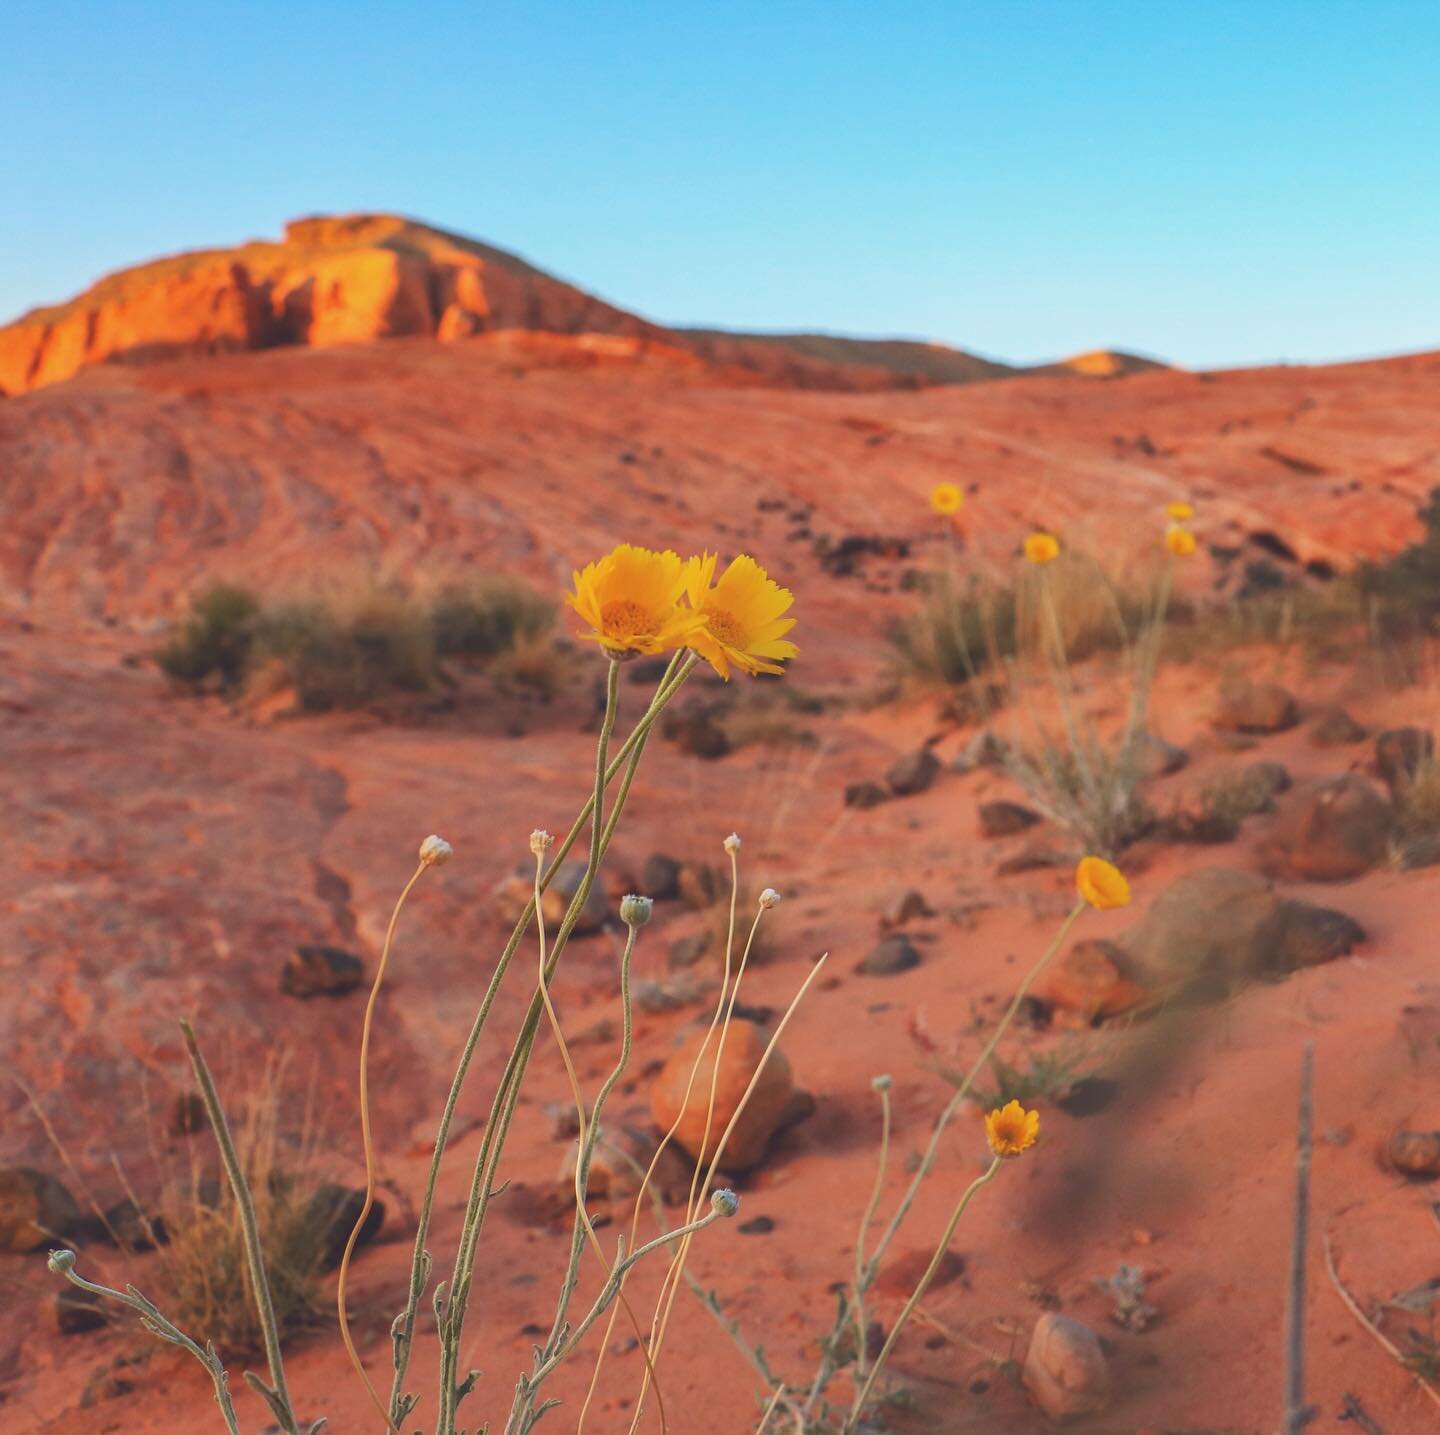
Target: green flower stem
508, 1092
63, 1262
865, 1223
403, 1329
918, 1293
961, 1092
276, 1394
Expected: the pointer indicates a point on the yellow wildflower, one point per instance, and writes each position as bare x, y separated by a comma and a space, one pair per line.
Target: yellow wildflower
946, 498
741, 616
631, 600
1101, 884
1042, 548
1010, 1129
1179, 540
1180, 512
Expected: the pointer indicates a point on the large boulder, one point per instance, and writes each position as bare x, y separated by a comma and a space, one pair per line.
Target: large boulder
1093, 981
1213, 929
1329, 831
677, 1096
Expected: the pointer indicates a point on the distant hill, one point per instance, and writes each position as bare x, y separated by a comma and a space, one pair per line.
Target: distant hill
336, 279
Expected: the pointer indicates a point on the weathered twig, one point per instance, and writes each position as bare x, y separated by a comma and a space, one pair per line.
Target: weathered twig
1383, 1340
276, 1395
1353, 1410
1297, 1414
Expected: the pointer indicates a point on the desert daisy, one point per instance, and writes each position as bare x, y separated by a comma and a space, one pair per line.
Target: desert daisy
1010, 1129
1180, 512
1042, 548
1101, 884
741, 615
631, 600
1179, 540
947, 498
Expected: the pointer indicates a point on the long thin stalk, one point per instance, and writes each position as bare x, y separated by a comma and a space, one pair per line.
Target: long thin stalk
627, 757
918, 1293
1297, 1416
276, 1394
508, 1093
63, 1263
858, 1295
369, 1147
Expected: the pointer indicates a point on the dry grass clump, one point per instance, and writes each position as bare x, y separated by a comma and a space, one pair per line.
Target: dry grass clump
350, 648
1417, 817
203, 1257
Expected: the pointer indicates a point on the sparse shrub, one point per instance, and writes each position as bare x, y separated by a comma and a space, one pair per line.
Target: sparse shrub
347, 655
1407, 587
489, 617
1417, 816
213, 646
1045, 1076
956, 634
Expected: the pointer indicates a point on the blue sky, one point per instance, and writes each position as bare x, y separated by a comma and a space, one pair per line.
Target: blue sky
1216, 182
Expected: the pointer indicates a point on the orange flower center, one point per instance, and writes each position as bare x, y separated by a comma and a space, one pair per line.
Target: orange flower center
724, 629
623, 619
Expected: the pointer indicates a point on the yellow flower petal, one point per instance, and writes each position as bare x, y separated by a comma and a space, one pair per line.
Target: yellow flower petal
1042, 548
947, 498
1101, 884
631, 600
1179, 540
1180, 512
741, 616
1010, 1129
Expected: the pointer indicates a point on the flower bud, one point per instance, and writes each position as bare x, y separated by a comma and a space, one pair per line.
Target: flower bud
435, 851
769, 898
62, 1261
732, 843
724, 1202
541, 841
882, 1083
635, 911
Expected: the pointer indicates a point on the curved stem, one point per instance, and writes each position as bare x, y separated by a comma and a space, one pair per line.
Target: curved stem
865, 1223
918, 1293
249, 1230
369, 1145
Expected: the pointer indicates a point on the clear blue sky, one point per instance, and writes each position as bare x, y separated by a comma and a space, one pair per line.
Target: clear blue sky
1213, 181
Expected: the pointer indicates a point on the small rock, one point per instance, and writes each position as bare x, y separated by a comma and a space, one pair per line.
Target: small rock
1032, 859
690, 950
78, 1312
105, 1384
660, 877
1336, 728
1267, 779
757, 1226
696, 731
903, 907
35, 1210
677, 1095
330, 1216
1005, 819
1400, 753
983, 750
187, 1116
514, 893
1157, 758
315, 971
132, 1229
1092, 981
913, 773
1256, 707
865, 794
1088, 1097
889, 957
702, 885
1329, 831
900, 1276
1065, 1368
1415, 1154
